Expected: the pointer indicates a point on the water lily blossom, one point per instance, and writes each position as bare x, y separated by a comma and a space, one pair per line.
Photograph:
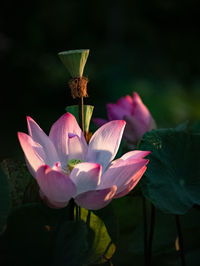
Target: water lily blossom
134, 112
66, 167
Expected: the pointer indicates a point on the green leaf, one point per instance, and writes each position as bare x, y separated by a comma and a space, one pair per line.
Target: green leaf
38, 235
108, 216
5, 200
88, 110
192, 258
30, 235
19, 178
183, 126
172, 179
31, 193
195, 128
165, 234
71, 244
102, 247
74, 61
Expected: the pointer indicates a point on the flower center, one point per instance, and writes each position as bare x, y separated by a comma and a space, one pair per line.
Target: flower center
72, 163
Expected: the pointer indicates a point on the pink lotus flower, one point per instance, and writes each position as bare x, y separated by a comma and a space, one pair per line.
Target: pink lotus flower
134, 112
66, 167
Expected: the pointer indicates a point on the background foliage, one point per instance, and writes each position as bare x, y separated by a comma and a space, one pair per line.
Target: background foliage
151, 47
148, 46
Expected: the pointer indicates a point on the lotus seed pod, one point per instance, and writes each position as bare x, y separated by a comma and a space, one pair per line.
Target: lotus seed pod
74, 61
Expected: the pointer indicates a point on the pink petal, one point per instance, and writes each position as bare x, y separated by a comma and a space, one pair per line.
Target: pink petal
141, 112
99, 121
116, 112
52, 204
40, 137
55, 185
86, 176
139, 122
76, 148
131, 184
105, 142
121, 172
136, 154
33, 151
127, 103
59, 134
152, 124
94, 200
135, 129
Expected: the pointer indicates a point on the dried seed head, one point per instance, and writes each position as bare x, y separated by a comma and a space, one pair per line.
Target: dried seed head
78, 87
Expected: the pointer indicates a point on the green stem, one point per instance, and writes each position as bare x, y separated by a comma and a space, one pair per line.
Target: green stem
151, 234
81, 114
81, 124
88, 218
180, 239
79, 213
71, 210
145, 229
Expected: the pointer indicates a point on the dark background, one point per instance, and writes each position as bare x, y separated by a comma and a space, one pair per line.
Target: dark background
151, 47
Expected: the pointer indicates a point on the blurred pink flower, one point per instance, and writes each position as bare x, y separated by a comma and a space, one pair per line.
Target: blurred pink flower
94, 179
134, 112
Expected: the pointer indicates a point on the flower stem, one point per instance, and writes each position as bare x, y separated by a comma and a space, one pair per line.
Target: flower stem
151, 234
180, 239
88, 217
81, 124
81, 113
71, 210
79, 213
145, 229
